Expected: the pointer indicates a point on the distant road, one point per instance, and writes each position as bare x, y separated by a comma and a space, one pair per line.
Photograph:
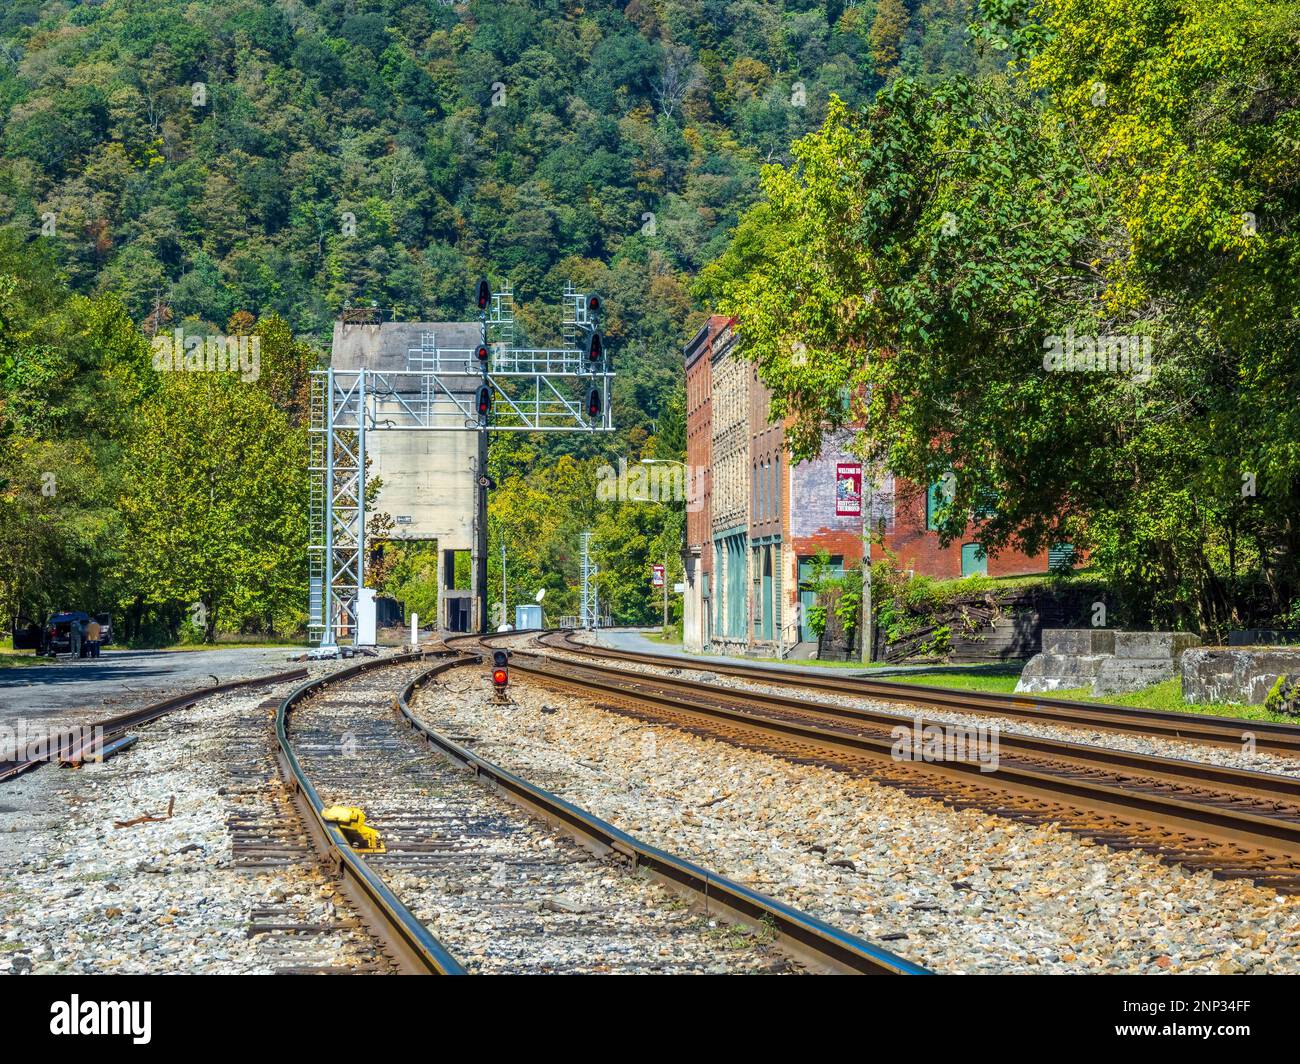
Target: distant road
120, 679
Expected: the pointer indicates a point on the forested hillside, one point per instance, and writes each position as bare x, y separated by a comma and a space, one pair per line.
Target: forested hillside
168, 164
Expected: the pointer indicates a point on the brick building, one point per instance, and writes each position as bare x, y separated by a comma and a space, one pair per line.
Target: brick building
697, 557
751, 546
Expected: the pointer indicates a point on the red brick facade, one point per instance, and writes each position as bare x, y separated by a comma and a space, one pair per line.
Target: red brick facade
918, 548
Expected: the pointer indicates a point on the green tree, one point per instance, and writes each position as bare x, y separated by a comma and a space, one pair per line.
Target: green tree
214, 503
888, 29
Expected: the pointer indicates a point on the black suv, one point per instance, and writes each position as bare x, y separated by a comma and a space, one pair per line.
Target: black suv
56, 636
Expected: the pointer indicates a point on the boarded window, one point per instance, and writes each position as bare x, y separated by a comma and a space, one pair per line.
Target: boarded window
1060, 556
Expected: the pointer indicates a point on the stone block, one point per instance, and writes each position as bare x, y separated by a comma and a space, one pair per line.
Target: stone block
1060, 672
1121, 675
1231, 674
1078, 641
1168, 645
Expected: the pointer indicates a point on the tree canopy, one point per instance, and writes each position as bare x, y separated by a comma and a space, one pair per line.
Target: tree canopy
1128, 188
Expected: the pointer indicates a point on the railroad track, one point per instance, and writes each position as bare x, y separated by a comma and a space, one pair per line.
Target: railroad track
1233, 823
505, 892
115, 728
1267, 736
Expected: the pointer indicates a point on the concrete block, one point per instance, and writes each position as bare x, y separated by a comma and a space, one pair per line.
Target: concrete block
1079, 641
1120, 675
1060, 672
1232, 674
1154, 644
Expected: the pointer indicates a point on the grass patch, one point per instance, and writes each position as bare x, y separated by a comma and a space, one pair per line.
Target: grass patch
729, 936
946, 590
1166, 695
15, 659
999, 681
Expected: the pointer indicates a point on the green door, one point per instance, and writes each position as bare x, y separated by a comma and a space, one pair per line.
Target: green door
974, 562
767, 593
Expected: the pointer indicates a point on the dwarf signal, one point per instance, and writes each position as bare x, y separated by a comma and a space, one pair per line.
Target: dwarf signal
500, 670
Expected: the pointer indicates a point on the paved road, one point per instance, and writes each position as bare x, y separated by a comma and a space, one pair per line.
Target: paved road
120, 679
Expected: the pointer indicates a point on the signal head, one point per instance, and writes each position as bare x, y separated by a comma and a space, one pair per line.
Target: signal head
484, 293
481, 354
594, 403
484, 400
594, 304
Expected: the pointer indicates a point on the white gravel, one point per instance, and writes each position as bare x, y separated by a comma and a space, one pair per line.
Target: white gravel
1224, 756
82, 896
957, 891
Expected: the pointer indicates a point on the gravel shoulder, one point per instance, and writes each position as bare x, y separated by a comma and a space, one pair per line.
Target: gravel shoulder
176, 895
956, 891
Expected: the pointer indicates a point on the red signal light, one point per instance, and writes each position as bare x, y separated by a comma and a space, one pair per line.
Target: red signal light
484, 400
593, 403
595, 347
484, 294
481, 353
500, 677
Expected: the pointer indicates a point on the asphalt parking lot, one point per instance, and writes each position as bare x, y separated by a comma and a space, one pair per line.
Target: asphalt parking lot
119, 679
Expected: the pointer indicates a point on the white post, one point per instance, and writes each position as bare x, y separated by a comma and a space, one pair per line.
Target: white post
415, 629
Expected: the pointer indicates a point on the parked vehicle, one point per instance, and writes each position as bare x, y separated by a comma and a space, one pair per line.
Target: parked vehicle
55, 636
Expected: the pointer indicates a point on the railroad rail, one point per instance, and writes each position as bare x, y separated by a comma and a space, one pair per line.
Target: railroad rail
1234, 823
437, 838
803, 935
415, 949
1268, 736
114, 728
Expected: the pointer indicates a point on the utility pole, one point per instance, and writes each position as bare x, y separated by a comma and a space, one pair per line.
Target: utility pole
589, 602
667, 551
484, 296
481, 536
504, 618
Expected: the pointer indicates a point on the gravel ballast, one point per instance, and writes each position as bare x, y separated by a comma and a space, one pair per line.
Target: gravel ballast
81, 896
957, 891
